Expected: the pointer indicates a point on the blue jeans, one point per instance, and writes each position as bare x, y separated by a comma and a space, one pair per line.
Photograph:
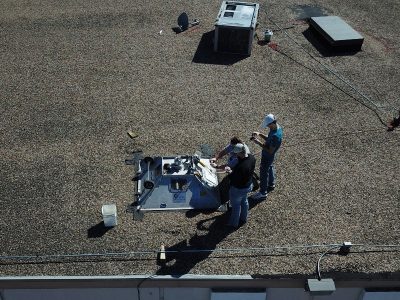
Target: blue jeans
267, 173
240, 205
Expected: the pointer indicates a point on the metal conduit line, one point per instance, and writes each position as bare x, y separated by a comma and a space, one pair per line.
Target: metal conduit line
335, 247
372, 245
76, 255
340, 77
359, 100
346, 81
22, 257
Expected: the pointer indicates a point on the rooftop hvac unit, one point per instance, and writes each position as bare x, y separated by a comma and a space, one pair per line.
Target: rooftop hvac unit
235, 27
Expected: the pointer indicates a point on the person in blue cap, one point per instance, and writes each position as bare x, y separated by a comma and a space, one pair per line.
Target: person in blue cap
270, 144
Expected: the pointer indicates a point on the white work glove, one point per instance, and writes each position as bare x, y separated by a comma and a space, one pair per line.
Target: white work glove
228, 170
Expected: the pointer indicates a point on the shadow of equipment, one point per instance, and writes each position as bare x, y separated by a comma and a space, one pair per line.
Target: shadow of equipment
98, 230
205, 53
324, 48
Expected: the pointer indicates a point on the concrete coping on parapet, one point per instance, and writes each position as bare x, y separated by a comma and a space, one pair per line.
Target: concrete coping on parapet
186, 280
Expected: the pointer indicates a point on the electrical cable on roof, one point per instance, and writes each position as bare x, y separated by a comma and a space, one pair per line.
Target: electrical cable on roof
386, 246
331, 83
340, 77
231, 250
319, 260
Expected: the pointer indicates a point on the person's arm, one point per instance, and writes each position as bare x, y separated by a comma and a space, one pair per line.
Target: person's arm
220, 155
219, 167
263, 136
259, 134
269, 148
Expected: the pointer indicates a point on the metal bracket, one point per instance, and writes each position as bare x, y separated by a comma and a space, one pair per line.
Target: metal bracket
138, 215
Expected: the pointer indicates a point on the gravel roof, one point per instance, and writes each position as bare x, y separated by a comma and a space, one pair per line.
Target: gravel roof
77, 75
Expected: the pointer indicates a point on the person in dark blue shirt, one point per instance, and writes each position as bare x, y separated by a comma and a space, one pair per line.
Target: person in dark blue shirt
270, 145
240, 184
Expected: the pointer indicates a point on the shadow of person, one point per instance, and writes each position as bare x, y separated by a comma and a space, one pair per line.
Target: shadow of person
183, 256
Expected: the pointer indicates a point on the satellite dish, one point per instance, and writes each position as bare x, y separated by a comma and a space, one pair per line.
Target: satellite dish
183, 21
